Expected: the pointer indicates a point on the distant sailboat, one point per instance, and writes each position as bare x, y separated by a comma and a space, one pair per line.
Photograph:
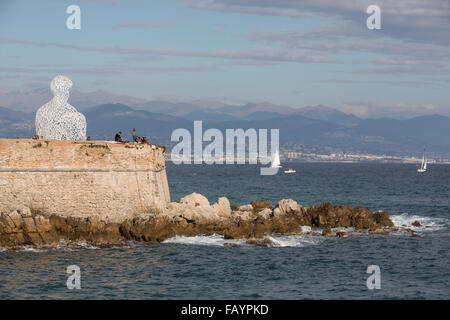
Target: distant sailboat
423, 166
276, 160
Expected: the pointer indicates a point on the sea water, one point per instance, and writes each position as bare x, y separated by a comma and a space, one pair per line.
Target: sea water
296, 267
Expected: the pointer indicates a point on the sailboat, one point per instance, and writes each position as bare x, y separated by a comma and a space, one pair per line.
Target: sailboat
276, 160
423, 166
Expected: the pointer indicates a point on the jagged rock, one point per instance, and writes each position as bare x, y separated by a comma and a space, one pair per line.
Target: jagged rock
416, 223
266, 242
193, 209
231, 245
16, 219
28, 225
223, 207
195, 200
264, 214
7, 223
246, 207
24, 212
256, 228
260, 205
341, 234
379, 231
327, 232
277, 213
245, 215
191, 216
288, 206
382, 218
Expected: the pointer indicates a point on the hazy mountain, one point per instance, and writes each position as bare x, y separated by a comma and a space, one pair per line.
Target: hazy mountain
106, 120
16, 123
316, 126
26, 100
85, 100
207, 115
171, 108
321, 112
430, 132
29, 100
249, 108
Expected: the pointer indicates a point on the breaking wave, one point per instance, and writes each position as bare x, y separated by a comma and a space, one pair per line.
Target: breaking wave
296, 240
213, 240
218, 240
426, 223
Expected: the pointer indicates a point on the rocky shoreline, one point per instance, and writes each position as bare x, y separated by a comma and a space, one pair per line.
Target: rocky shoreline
193, 215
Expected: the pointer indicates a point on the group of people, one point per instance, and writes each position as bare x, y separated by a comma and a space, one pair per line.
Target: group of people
118, 138
137, 139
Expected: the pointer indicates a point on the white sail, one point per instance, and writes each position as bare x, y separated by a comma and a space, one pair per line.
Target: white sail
423, 165
276, 160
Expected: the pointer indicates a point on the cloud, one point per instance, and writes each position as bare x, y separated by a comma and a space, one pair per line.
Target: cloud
99, 82
267, 54
346, 37
408, 19
413, 40
367, 109
98, 70
141, 25
111, 2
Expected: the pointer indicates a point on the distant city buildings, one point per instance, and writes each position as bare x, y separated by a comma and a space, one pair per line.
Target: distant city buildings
354, 157
298, 156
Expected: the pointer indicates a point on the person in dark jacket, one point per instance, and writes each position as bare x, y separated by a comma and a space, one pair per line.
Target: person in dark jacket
118, 137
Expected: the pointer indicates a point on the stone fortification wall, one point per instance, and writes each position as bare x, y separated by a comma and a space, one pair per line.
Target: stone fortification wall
82, 178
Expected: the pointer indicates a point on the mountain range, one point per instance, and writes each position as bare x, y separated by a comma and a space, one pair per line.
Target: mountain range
310, 127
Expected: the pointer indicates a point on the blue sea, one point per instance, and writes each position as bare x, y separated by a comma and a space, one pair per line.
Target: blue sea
298, 267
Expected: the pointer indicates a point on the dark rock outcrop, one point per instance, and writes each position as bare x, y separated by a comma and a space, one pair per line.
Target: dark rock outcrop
24, 227
416, 223
193, 215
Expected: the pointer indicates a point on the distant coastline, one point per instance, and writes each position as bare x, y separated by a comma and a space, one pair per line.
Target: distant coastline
352, 158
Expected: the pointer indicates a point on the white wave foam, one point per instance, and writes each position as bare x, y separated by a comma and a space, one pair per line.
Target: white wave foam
426, 223
296, 240
214, 240
85, 245
306, 229
35, 250
218, 240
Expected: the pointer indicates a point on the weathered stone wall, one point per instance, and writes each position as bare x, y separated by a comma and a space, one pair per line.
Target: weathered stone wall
82, 178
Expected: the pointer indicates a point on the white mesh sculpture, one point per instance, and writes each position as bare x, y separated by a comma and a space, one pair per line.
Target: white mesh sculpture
57, 119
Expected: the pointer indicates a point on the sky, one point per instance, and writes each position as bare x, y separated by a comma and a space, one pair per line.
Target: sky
288, 52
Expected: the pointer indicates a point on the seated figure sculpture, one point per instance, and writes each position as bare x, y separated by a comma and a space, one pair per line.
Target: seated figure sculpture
57, 119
